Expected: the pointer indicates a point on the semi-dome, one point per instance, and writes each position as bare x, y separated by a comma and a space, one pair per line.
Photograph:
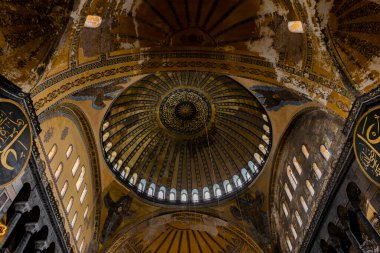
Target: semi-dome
186, 137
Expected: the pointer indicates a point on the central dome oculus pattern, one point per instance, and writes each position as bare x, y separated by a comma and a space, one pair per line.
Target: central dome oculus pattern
185, 111
186, 137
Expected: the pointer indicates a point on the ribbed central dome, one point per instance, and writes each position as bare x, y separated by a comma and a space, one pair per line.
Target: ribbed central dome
179, 137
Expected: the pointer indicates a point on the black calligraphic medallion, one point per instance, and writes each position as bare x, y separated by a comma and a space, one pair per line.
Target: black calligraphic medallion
15, 140
367, 144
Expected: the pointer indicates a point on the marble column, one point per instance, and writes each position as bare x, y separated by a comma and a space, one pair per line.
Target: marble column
30, 228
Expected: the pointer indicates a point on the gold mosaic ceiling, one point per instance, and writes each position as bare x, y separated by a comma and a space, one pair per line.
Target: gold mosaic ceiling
184, 232
186, 132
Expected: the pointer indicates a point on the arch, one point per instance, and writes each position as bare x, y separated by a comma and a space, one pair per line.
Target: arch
172, 194
77, 236
237, 181
304, 205
292, 178
285, 209
305, 151
106, 125
70, 204
325, 152
142, 185
290, 246
69, 151
133, 179
58, 171
105, 136
206, 193
113, 156
253, 167
294, 232
258, 158
162, 193
151, 189
247, 177
81, 245
75, 167
183, 195
125, 172
317, 171
74, 220
298, 218
310, 188
52, 152
79, 182
108, 146
265, 138
85, 212
227, 186
195, 195
64, 188
217, 191
262, 149
83, 195
353, 192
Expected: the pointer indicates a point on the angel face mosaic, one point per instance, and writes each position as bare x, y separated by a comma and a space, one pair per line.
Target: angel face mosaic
186, 137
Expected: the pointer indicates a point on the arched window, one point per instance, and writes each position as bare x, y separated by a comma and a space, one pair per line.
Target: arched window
172, 194
69, 205
69, 151
162, 192
195, 195
266, 128
80, 178
265, 138
310, 188
265, 117
108, 146
304, 205
285, 209
184, 195
117, 165
125, 172
113, 156
74, 220
105, 136
297, 165
85, 212
151, 189
305, 152
253, 167
217, 191
142, 185
227, 186
325, 153
81, 245
105, 125
52, 152
206, 193
237, 181
287, 191
245, 174
293, 232
298, 218
289, 244
64, 188
317, 171
58, 171
133, 179
84, 193
292, 177
262, 149
78, 233
75, 166
258, 158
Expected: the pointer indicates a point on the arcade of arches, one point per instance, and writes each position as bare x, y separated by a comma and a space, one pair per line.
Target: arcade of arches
192, 126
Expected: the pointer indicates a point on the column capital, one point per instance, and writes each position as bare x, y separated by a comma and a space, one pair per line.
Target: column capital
32, 227
41, 245
22, 207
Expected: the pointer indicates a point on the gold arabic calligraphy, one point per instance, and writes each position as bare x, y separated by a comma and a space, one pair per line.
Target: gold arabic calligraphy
10, 131
369, 156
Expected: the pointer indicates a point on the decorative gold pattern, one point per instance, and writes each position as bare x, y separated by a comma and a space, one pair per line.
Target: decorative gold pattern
186, 131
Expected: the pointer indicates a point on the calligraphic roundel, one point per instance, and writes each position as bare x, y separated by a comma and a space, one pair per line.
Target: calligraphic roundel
15, 140
367, 144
